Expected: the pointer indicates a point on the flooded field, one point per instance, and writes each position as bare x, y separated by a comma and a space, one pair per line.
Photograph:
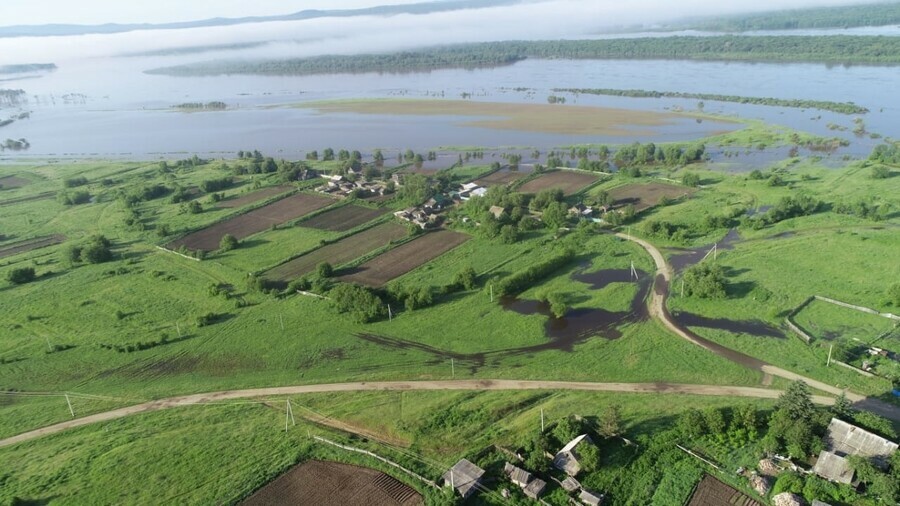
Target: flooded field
108, 108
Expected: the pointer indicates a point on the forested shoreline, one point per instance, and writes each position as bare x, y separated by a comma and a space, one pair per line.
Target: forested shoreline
839, 49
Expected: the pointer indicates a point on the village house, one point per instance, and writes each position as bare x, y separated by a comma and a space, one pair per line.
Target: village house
464, 477
497, 211
533, 487
567, 459
843, 440
590, 498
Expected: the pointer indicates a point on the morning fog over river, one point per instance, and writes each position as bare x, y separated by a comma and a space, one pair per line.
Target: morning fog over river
107, 107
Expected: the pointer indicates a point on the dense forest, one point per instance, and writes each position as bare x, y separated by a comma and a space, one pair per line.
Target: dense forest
839, 49
849, 16
840, 107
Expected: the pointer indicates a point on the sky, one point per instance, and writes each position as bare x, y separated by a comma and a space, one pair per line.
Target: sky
530, 19
29, 12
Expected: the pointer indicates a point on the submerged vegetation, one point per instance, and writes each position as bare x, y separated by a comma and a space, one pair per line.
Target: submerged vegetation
825, 105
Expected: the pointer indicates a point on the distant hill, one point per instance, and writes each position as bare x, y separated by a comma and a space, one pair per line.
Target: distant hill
27, 67
850, 16
382, 10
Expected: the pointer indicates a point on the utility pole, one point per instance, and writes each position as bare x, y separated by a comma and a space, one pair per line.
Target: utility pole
281, 321
492, 292
715, 251
830, 349
70, 406
542, 420
682, 287
634, 273
452, 368
288, 415
178, 329
390, 314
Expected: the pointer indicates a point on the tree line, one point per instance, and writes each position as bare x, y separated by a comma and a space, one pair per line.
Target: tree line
840, 49
825, 105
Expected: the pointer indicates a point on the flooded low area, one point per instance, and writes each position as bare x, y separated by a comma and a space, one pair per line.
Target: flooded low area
755, 328
682, 258
577, 326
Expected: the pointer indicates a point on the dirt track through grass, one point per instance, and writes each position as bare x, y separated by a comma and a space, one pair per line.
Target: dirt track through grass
472, 385
30, 245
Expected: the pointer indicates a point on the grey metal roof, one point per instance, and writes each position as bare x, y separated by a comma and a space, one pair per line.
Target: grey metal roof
845, 439
535, 488
833, 467
590, 498
464, 476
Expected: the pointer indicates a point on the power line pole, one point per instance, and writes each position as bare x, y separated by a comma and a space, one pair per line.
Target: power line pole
281, 321
830, 349
70, 406
48, 343
682, 287
390, 314
178, 329
634, 273
452, 368
492, 292
288, 415
542, 420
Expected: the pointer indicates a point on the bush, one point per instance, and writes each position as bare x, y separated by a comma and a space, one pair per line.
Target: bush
228, 243
468, 279
880, 172
73, 198
690, 179
97, 251
214, 185
324, 270
706, 280
21, 275
521, 280
75, 182
363, 305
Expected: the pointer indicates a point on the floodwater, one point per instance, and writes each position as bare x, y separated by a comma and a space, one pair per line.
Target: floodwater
756, 328
109, 108
682, 258
576, 327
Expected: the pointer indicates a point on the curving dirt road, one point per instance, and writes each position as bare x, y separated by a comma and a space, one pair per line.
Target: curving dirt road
660, 312
480, 385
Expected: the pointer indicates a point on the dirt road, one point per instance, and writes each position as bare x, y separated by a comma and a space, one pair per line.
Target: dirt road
480, 385
660, 312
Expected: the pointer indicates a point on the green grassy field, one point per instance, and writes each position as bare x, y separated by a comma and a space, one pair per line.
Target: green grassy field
61, 331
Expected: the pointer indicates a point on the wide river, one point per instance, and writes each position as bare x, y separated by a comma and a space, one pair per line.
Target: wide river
109, 108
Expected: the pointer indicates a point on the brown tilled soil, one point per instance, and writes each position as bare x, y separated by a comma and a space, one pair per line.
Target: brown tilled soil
30, 244
501, 177
404, 258
339, 252
570, 182
712, 492
253, 222
250, 198
643, 196
344, 218
331, 484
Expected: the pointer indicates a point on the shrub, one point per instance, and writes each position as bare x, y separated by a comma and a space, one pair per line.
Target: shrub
706, 280
521, 280
690, 179
74, 182
228, 243
21, 275
363, 305
324, 270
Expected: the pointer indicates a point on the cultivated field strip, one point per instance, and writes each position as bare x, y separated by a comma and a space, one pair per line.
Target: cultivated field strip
255, 221
13, 182
644, 196
256, 196
30, 244
343, 218
334, 484
570, 182
406, 257
339, 252
501, 177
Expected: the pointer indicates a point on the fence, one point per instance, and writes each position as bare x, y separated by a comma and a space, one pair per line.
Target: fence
379, 458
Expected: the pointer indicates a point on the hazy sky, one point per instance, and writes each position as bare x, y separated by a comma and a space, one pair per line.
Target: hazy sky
30, 12
26, 12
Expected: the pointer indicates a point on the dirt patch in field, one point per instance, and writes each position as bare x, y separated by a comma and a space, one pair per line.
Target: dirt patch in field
339, 252
30, 244
13, 182
331, 484
250, 198
344, 218
501, 177
645, 196
712, 492
570, 182
255, 221
404, 258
